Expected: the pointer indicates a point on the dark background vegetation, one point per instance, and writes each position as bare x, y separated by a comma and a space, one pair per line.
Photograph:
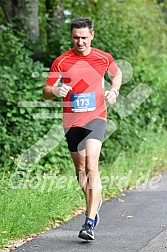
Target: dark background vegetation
34, 33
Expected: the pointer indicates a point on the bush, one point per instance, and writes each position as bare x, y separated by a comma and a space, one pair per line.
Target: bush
126, 29
19, 129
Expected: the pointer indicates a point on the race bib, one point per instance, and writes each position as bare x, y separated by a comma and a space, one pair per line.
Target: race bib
83, 102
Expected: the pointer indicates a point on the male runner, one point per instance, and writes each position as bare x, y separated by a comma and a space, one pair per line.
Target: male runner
80, 75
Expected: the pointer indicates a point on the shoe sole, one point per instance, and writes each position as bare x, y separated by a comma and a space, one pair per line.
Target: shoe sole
86, 237
97, 220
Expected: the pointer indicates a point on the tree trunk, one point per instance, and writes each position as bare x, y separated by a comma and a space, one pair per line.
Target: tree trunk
55, 23
32, 18
23, 14
7, 9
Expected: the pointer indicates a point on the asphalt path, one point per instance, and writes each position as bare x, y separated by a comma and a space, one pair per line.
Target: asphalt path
134, 222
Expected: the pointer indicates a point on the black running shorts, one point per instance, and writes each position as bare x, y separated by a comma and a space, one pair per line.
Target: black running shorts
76, 136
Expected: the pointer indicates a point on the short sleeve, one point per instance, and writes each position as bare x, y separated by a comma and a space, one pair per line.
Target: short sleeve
112, 68
54, 75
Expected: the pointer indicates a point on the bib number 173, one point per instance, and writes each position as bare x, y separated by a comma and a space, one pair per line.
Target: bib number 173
83, 102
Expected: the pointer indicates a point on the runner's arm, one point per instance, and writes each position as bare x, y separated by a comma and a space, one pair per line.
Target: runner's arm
50, 92
116, 80
47, 93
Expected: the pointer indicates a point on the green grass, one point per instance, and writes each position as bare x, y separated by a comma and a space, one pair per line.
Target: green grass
27, 211
136, 169
29, 206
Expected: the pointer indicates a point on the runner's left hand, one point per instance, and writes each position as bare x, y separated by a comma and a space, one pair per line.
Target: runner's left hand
110, 96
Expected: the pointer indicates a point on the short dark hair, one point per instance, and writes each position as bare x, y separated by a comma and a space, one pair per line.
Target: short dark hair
82, 22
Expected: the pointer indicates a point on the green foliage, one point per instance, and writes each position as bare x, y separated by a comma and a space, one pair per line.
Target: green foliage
134, 31
19, 129
126, 29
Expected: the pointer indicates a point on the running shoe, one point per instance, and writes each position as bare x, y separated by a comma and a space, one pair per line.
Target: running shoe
87, 231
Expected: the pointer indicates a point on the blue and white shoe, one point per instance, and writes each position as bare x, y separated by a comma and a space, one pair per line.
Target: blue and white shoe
87, 231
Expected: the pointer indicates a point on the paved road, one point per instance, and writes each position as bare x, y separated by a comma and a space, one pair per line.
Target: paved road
139, 224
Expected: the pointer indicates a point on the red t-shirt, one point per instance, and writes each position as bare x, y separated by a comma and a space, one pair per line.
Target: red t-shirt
85, 74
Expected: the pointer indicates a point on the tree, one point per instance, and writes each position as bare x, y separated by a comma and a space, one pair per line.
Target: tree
23, 14
55, 23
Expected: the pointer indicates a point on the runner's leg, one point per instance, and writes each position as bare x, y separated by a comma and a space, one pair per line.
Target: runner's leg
79, 159
86, 164
93, 148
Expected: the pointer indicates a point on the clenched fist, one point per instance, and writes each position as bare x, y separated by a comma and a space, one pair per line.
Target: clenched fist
61, 91
110, 96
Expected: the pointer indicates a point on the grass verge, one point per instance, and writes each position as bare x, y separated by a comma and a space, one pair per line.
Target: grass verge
33, 204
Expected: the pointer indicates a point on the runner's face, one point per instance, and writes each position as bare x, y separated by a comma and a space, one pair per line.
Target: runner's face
81, 39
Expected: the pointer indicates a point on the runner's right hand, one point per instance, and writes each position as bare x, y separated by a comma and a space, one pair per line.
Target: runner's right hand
61, 91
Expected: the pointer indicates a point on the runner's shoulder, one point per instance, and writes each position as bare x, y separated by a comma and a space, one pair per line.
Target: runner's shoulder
102, 53
64, 55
